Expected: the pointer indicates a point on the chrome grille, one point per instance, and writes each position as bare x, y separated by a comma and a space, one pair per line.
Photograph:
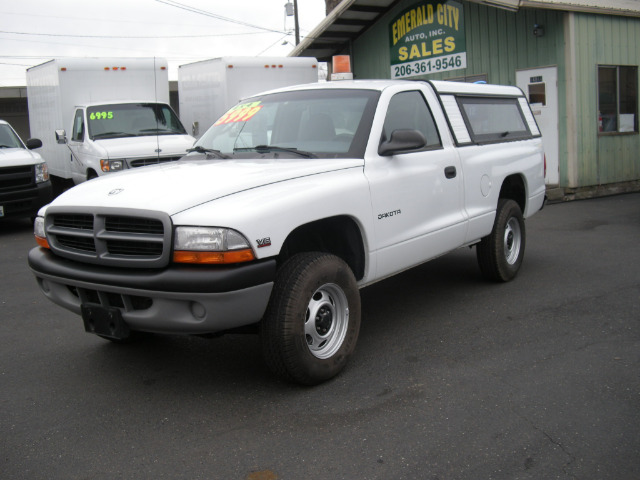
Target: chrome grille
143, 162
127, 238
84, 222
120, 247
133, 225
16, 178
77, 243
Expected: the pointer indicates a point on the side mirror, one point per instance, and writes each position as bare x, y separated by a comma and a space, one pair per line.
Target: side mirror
33, 143
195, 129
61, 136
402, 141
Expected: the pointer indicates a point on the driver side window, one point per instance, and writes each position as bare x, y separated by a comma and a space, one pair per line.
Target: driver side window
409, 111
77, 135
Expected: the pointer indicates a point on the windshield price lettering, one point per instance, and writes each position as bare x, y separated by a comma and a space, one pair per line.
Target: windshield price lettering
101, 115
424, 67
240, 113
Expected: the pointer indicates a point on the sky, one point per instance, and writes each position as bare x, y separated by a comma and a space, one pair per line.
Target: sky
182, 31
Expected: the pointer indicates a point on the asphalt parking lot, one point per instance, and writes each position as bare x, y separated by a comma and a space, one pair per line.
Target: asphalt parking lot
453, 377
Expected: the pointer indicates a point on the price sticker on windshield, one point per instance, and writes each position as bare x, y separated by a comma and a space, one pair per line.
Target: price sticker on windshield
240, 113
100, 115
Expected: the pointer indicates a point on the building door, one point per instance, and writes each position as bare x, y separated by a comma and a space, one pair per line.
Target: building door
540, 85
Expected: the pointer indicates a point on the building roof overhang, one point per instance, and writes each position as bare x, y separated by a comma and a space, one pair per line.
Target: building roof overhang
343, 24
351, 18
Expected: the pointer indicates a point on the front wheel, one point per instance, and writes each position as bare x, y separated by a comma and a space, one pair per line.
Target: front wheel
501, 252
312, 322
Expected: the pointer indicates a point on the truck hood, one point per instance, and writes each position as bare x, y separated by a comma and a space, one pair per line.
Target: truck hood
142, 147
18, 157
175, 187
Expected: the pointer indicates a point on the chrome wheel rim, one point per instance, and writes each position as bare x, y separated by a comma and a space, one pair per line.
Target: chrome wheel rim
512, 240
327, 320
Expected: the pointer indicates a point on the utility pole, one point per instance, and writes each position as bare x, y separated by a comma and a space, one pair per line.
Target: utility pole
295, 20
292, 9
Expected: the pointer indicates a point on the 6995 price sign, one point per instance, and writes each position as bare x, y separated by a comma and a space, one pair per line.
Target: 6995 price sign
431, 65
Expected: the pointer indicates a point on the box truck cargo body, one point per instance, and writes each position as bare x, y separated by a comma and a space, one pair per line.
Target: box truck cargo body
99, 115
207, 89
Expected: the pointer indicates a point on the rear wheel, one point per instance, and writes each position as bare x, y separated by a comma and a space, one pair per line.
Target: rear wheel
501, 252
312, 323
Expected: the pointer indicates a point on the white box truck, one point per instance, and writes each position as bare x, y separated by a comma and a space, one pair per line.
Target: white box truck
207, 89
99, 115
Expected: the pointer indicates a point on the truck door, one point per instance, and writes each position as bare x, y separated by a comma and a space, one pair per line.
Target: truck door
77, 145
417, 197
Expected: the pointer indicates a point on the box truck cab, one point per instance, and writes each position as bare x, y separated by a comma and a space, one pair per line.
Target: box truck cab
109, 137
99, 115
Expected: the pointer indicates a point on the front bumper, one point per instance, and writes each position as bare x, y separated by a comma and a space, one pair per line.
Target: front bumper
179, 299
27, 201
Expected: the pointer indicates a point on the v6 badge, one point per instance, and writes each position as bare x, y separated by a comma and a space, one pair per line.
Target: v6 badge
264, 242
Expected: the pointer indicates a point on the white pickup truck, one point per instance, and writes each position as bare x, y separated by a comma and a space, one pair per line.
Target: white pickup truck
287, 205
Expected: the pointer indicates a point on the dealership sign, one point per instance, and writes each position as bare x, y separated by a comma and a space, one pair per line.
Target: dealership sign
427, 37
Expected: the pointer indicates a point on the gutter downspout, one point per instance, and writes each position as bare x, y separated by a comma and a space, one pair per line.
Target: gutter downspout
571, 89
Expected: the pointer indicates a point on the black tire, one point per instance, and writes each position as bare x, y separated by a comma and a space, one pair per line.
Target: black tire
312, 322
500, 254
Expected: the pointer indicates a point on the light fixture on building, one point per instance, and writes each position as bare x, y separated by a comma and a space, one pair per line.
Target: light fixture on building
538, 30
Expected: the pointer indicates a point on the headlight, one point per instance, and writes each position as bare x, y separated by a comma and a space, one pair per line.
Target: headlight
38, 232
210, 245
111, 165
42, 173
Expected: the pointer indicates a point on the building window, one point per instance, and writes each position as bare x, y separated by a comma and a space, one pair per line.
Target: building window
538, 93
617, 99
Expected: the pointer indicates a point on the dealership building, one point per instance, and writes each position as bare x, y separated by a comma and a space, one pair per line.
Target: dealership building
576, 60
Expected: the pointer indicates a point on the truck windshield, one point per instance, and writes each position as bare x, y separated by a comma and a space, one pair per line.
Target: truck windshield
8, 139
132, 120
330, 122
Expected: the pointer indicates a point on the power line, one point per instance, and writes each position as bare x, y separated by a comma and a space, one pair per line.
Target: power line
173, 3
134, 37
15, 64
274, 43
93, 19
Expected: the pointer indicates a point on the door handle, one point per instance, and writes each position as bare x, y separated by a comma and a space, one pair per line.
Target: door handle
450, 172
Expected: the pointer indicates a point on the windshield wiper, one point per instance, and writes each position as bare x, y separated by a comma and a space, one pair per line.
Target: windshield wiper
274, 148
162, 131
200, 149
113, 135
